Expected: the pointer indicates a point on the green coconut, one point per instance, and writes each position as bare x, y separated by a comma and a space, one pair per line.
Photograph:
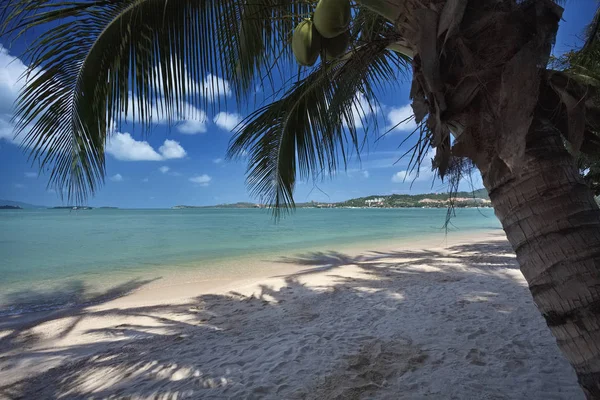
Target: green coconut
332, 17
306, 43
336, 47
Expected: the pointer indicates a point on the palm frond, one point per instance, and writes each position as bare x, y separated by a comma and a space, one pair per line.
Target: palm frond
592, 32
313, 127
583, 68
258, 41
94, 58
584, 62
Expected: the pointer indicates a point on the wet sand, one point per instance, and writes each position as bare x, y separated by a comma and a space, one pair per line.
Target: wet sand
452, 320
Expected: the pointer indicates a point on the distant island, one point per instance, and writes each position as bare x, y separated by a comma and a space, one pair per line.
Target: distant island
20, 204
82, 208
232, 205
71, 208
477, 198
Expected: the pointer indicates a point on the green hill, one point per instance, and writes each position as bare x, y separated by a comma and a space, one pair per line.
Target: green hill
480, 193
460, 199
477, 198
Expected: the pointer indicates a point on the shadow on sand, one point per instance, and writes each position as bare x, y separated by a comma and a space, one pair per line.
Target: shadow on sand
79, 297
463, 326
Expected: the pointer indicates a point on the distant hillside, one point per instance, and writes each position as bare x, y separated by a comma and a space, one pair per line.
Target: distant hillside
460, 199
477, 198
19, 204
481, 193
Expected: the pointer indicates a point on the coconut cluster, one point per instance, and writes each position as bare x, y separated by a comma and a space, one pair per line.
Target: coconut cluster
326, 34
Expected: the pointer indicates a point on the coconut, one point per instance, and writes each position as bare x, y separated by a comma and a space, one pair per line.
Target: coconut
336, 47
332, 17
306, 43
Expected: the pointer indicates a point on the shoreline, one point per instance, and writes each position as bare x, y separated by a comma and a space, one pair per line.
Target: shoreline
91, 254
197, 277
264, 266
358, 322
222, 271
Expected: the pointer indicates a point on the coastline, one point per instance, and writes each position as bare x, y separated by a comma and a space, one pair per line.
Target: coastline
88, 289
236, 272
420, 319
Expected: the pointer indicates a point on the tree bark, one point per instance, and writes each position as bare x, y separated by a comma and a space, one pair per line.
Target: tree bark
553, 224
477, 65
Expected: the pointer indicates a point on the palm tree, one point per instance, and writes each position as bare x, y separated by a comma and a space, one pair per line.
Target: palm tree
481, 94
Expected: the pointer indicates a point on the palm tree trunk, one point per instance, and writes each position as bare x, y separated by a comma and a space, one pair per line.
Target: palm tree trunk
548, 213
553, 223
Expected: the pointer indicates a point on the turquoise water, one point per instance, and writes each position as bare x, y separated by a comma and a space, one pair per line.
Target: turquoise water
42, 250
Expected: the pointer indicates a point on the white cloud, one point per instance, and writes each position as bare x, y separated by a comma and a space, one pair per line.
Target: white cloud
189, 120
7, 129
202, 180
366, 174
19, 186
117, 178
227, 121
12, 70
31, 175
171, 149
125, 148
193, 127
214, 86
402, 176
218, 160
211, 85
401, 119
164, 169
155, 114
158, 114
361, 110
422, 173
145, 180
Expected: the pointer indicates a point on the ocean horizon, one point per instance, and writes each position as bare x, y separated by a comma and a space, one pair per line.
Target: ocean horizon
56, 258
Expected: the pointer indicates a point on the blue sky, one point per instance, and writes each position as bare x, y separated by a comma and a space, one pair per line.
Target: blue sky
185, 164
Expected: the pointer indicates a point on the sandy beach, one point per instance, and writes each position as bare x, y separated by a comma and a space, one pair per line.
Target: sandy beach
411, 321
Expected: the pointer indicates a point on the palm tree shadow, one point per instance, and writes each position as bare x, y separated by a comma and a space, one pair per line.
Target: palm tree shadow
301, 341
70, 299
487, 255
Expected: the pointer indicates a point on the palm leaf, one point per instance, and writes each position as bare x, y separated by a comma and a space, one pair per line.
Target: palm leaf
260, 40
583, 66
96, 57
311, 129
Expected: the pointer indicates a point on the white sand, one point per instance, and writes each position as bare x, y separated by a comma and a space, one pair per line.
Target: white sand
455, 322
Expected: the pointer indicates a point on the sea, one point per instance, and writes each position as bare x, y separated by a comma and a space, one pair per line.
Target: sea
53, 258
